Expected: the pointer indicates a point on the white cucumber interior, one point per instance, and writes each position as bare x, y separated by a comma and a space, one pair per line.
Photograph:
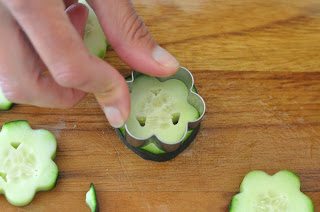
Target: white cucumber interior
91, 199
5, 104
260, 192
160, 109
26, 164
94, 37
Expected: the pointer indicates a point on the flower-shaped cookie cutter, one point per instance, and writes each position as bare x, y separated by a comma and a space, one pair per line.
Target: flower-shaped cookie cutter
170, 150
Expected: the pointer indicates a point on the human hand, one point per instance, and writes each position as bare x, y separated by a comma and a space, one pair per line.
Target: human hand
40, 35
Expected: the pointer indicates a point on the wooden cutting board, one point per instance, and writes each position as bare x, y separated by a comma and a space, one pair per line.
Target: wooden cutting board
257, 65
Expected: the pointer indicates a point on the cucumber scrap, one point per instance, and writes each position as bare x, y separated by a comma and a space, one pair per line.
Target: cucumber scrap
260, 192
5, 104
160, 109
94, 37
91, 199
26, 162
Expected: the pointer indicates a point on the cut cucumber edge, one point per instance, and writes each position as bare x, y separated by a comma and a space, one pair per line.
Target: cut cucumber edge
255, 179
5, 106
16, 123
91, 199
46, 188
253, 176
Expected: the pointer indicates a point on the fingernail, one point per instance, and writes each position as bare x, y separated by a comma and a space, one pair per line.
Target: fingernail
114, 117
163, 57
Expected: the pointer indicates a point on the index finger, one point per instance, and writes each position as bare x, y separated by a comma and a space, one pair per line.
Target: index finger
64, 53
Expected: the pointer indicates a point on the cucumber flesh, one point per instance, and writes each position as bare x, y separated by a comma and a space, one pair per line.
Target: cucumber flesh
5, 104
153, 148
91, 199
94, 37
26, 162
160, 109
260, 192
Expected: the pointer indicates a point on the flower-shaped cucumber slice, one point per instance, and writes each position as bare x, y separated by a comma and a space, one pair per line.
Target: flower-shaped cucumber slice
26, 162
279, 193
160, 109
166, 113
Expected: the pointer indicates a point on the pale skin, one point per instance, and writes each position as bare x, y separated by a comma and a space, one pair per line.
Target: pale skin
36, 36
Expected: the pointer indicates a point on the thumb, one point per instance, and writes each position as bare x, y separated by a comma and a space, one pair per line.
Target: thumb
131, 39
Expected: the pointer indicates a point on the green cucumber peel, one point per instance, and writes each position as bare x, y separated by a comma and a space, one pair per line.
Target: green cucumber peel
279, 192
5, 104
151, 146
94, 37
26, 162
91, 199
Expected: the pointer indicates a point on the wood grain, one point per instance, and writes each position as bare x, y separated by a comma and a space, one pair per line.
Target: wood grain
273, 35
256, 65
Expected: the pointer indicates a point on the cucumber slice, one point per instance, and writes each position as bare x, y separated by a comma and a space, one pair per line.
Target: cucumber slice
26, 162
261, 192
94, 37
91, 199
5, 104
151, 150
160, 109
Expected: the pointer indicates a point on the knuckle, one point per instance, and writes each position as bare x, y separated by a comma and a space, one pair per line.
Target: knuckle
111, 90
136, 28
69, 76
13, 93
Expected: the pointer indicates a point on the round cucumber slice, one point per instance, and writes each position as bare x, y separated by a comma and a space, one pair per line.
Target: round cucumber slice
5, 104
26, 162
94, 37
91, 199
261, 192
160, 109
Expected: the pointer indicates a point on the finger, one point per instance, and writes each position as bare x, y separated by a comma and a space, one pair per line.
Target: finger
64, 53
78, 15
68, 3
130, 38
22, 82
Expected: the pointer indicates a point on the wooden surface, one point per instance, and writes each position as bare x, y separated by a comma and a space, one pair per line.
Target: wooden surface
257, 65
